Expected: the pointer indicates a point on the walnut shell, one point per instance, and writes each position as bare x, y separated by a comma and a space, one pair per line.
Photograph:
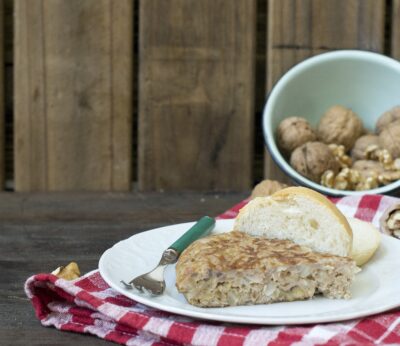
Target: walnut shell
266, 188
390, 220
387, 118
368, 168
359, 150
389, 139
312, 159
293, 132
340, 125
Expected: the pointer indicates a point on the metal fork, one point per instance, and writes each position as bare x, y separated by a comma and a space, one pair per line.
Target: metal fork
153, 282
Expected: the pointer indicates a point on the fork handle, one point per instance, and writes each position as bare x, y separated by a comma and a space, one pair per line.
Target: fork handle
199, 229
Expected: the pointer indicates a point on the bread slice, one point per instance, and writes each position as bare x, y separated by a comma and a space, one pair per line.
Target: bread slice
235, 268
366, 240
301, 215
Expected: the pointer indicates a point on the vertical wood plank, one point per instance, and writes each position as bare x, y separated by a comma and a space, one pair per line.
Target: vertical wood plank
73, 92
196, 94
395, 44
2, 107
299, 29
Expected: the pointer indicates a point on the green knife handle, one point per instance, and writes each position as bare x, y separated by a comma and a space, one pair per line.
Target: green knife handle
198, 230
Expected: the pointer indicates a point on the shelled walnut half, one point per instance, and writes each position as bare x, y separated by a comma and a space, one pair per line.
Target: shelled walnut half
390, 221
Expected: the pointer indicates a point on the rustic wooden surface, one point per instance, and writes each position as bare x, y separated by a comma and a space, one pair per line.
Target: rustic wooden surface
395, 29
2, 105
196, 87
298, 29
40, 232
73, 95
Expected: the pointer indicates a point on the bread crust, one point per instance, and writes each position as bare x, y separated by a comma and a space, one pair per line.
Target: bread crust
319, 198
366, 240
288, 195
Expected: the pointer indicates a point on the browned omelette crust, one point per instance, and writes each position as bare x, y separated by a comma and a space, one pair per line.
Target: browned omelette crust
237, 251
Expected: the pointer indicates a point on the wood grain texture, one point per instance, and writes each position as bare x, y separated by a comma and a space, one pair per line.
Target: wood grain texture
196, 94
73, 93
55, 229
298, 29
2, 105
395, 44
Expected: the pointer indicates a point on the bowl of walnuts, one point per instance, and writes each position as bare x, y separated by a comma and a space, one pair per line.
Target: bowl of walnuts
332, 123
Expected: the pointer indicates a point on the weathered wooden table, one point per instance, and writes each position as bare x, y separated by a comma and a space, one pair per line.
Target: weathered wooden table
39, 232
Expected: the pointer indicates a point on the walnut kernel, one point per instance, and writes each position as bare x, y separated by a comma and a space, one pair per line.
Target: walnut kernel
358, 152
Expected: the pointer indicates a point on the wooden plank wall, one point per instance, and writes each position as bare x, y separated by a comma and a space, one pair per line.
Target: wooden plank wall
73, 95
318, 26
196, 94
198, 63
395, 30
2, 106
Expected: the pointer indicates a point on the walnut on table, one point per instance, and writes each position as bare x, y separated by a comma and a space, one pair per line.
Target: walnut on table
266, 188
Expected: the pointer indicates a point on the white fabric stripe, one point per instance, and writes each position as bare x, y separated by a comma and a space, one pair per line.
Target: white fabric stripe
112, 311
158, 326
56, 320
99, 315
142, 339
320, 334
349, 205
207, 335
82, 303
394, 324
262, 336
68, 286
109, 292
100, 328
59, 307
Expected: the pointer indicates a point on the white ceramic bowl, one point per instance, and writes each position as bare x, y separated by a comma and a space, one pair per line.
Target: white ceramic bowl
368, 83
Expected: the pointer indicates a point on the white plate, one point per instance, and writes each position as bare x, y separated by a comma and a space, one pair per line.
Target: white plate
376, 288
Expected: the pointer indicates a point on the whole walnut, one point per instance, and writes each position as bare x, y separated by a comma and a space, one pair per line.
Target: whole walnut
266, 188
293, 132
389, 139
340, 125
312, 159
359, 150
368, 168
387, 118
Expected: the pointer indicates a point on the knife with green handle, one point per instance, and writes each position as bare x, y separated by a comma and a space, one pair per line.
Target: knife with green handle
153, 281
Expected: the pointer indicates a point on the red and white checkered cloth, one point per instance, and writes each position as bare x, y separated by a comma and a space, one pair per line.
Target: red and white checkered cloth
89, 305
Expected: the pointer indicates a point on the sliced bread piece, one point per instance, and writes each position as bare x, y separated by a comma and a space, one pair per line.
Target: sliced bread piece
366, 240
301, 215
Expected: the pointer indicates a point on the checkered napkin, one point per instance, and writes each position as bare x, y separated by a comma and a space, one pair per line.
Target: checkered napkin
89, 305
